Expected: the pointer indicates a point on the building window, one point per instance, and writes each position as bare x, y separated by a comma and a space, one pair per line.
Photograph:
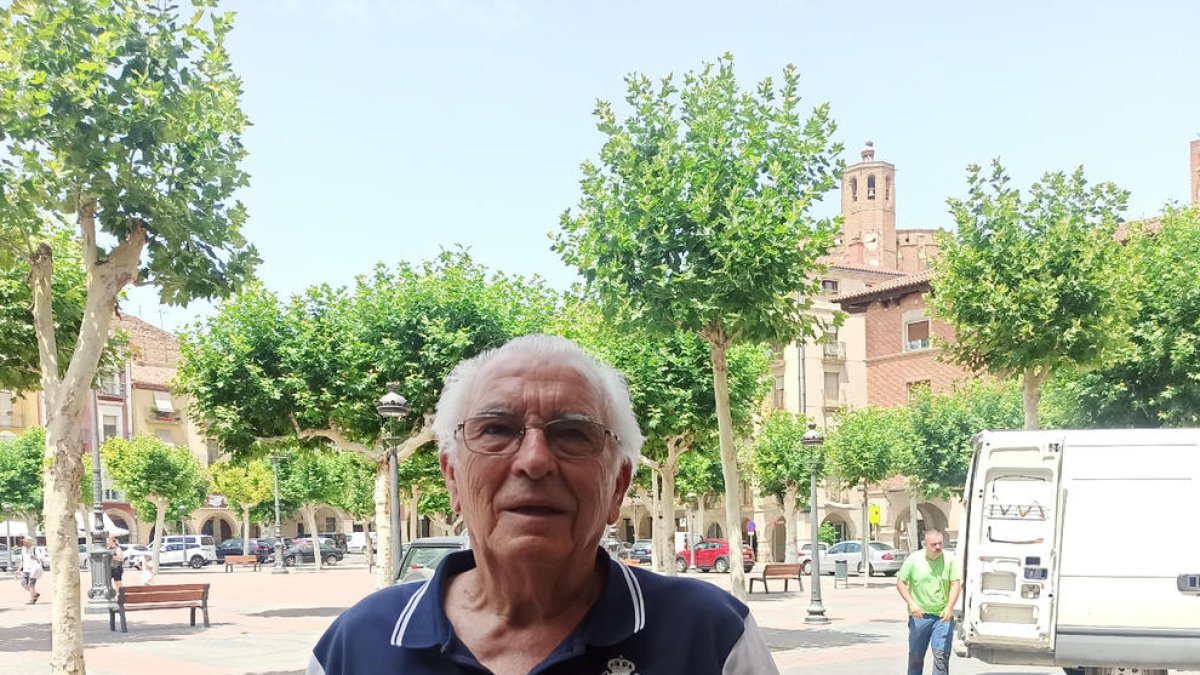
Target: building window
110, 426
887, 188
916, 387
777, 394
165, 436
6, 409
871, 186
829, 287
853, 189
330, 524
833, 388
916, 335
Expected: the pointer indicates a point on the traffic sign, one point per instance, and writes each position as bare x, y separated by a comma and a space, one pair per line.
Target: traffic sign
750, 526
874, 514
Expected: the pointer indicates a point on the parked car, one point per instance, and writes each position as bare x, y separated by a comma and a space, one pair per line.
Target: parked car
201, 545
135, 553
615, 547
357, 542
804, 554
259, 548
339, 540
640, 551
421, 558
44, 554
181, 553
712, 554
885, 558
301, 550
5, 558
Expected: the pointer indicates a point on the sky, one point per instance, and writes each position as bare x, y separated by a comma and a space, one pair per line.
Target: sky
387, 130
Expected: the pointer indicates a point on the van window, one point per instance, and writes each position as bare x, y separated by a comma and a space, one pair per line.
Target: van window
206, 540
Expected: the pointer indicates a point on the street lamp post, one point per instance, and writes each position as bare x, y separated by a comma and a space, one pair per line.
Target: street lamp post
812, 440
101, 594
8, 531
279, 567
393, 406
691, 544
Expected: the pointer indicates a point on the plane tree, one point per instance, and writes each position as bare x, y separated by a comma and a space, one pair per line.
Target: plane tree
246, 485
310, 370
1033, 283
160, 479
696, 218
120, 119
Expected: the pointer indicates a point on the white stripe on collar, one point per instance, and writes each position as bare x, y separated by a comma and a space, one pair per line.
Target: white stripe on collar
406, 614
635, 596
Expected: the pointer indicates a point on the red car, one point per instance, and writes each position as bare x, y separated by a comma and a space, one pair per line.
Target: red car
713, 554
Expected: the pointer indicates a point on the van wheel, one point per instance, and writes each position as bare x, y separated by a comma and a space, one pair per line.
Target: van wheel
330, 559
289, 560
196, 562
721, 566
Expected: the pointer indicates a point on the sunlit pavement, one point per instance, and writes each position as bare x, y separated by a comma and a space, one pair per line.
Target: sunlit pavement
265, 624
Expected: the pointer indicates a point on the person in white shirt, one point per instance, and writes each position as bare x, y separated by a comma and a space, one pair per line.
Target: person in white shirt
31, 569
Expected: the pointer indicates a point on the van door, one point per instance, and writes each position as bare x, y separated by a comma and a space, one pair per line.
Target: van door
1013, 522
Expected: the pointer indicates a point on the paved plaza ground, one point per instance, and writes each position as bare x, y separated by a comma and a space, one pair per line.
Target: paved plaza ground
266, 624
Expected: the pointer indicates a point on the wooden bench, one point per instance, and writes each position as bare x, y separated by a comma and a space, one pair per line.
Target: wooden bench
785, 571
231, 560
176, 596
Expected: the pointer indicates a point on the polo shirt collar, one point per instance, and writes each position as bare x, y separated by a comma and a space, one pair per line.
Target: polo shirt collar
618, 613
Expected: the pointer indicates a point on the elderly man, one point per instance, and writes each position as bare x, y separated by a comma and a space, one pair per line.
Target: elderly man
538, 445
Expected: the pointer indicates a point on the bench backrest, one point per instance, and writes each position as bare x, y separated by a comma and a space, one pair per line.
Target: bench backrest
782, 570
140, 595
241, 558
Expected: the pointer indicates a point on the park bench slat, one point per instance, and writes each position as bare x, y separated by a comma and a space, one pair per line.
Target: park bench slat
785, 571
171, 596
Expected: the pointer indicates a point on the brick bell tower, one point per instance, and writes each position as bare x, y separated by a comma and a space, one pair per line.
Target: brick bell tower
869, 211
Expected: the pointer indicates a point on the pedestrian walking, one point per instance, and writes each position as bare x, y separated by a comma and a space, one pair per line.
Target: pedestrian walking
930, 582
118, 561
147, 571
31, 569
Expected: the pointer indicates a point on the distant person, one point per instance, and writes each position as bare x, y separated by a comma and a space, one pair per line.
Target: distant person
31, 569
147, 571
929, 582
118, 561
538, 446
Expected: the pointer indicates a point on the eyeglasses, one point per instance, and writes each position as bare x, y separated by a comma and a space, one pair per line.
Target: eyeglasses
501, 435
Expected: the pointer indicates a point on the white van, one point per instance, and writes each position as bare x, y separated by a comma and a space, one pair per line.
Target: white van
1074, 552
196, 550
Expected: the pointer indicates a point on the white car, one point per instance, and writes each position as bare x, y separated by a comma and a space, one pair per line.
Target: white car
135, 553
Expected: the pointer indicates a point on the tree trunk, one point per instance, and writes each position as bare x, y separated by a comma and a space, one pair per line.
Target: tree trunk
667, 471
914, 538
701, 518
64, 450
414, 518
790, 494
1031, 391
729, 465
245, 530
664, 547
160, 524
383, 527
309, 512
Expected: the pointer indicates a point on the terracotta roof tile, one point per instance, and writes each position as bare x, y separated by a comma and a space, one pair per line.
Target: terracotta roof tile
887, 288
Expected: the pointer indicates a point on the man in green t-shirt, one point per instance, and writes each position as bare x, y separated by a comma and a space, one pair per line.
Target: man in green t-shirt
930, 582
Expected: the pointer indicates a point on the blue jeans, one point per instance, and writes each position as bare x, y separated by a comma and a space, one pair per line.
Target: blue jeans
929, 632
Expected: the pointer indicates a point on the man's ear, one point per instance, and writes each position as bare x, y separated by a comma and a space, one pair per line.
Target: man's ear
449, 473
624, 478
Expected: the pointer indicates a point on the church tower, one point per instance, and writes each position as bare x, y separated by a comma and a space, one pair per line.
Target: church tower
869, 211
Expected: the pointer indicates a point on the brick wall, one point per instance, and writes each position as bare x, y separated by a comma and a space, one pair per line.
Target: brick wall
891, 369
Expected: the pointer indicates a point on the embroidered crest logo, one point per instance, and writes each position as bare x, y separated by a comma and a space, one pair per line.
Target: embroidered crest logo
620, 666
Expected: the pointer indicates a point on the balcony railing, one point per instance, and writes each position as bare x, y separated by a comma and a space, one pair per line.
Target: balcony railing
164, 416
834, 351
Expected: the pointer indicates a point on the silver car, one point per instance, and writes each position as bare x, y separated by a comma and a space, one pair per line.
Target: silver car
885, 559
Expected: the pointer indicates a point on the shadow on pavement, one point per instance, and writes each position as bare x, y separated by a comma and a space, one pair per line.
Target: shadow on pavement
293, 612
781, 639
35, 637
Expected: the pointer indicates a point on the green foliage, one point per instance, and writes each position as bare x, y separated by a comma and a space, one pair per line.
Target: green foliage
867, 444
944, 424
700, 473
827, 533
357, 493
145, 467
312, 476
129, 104
21, 470
696, 216
323, 358
1032, 284
435, 503
1155, 380
780, 458
422, 472
243, 484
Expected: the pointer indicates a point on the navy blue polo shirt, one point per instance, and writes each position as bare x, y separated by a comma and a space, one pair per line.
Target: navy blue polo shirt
642, 624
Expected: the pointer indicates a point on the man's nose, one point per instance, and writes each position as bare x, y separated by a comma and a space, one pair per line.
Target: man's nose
534, 457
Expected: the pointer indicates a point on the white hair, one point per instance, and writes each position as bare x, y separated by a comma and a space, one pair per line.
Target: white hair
541, 348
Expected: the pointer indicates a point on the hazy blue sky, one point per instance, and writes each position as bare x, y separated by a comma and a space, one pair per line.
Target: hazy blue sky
387, 129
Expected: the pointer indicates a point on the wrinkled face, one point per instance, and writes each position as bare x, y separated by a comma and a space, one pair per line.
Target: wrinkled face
933, 546
532, 505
